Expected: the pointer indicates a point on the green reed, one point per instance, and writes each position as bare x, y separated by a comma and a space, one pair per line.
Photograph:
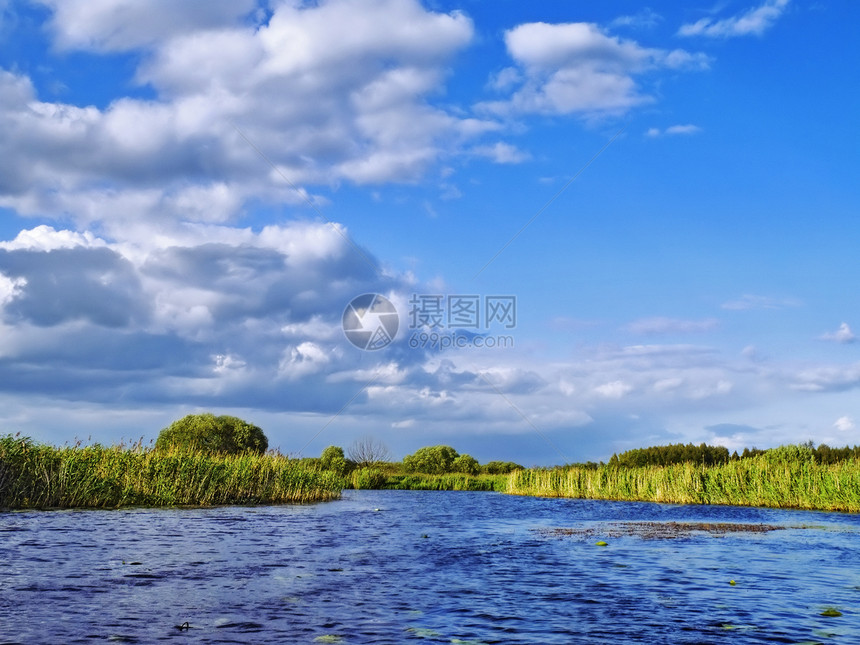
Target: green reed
40, 476
758, 481
451, 481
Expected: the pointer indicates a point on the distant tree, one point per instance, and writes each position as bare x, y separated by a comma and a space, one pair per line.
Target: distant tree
671, 454
332, 458
500, 467
367, 452
208, 433
466, 464
431, 460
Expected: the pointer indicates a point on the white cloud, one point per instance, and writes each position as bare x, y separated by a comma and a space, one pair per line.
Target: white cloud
844, 424
841, 335
614, 390
754, 21
121, 25
644, 19
674, 130
751, 301
339, 90
502, 153
577, 68
661, 325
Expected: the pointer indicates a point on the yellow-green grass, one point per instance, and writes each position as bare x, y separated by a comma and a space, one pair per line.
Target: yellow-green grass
41, 476
758, 481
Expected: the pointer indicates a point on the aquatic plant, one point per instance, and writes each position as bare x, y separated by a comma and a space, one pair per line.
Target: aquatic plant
33, 475
785, 479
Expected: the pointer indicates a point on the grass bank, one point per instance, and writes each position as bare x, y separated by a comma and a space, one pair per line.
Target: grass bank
758, 481
40, 476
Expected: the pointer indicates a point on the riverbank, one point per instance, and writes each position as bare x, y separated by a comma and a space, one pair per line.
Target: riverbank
39, 476
763, 481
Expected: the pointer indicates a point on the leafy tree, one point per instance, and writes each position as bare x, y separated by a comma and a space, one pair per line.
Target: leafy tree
208, 433
466, 464
431, 460
332, 458
367, 452
501, 467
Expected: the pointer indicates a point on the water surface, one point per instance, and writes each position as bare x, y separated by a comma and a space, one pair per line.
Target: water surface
433, 567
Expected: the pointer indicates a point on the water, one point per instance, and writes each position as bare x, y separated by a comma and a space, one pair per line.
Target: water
432, 567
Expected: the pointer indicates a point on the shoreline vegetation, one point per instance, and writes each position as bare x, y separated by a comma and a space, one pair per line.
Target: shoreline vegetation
37, 476
758, 481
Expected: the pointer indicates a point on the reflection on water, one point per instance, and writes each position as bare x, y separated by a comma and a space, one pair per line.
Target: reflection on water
432, 567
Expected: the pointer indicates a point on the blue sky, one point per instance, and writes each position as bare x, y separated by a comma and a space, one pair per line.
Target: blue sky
192, 193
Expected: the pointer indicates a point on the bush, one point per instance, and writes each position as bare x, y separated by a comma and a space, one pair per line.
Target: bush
466, 464
333, 459
431, 460
208, 433
368, 479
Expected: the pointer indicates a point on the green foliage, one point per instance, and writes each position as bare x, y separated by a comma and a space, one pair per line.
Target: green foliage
211, 434
333, 459
787, 478
466, 464
368, 479
38, 476
671, 454
500, 467
451, 481
432, 460
790, 454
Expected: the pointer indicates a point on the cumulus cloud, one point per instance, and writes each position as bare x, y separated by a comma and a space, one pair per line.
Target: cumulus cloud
324, 93
844, 424
842, 335
578, 68
754, 21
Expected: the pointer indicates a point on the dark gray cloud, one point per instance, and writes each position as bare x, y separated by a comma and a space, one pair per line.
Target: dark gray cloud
95, 285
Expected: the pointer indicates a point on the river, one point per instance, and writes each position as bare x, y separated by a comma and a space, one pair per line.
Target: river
432, 567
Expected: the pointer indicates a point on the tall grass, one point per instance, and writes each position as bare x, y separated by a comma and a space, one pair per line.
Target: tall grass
451, 481
40, 476
766, 480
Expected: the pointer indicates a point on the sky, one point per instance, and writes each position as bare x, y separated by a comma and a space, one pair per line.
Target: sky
599, 225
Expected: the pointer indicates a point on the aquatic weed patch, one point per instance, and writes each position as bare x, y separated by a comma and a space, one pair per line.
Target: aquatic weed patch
661, 530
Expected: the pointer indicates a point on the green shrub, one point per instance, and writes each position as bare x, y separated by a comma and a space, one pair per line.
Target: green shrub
211, 434
432, 460
368, 479
466, 464
333, 459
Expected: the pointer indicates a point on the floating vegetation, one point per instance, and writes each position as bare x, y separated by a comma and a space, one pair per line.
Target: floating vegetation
831, 612
423, 632
328, 638
659, 530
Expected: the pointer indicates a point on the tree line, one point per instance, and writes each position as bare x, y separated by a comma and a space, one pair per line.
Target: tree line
430, 460
716, 455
